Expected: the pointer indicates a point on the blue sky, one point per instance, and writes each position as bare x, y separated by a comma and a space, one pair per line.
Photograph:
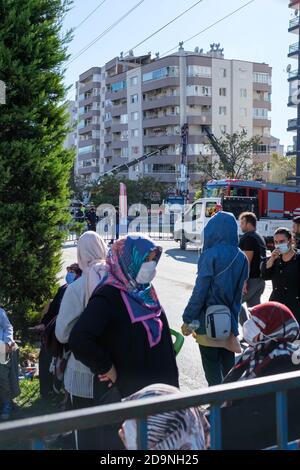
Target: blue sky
258, 33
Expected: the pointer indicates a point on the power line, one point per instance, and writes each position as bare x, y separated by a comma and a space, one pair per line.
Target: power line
89, 15
210, 26
165, 26
112, 26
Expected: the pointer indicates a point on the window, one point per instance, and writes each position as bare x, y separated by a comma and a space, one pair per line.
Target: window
107, 117
222, 72
134, 98
135, 133
83, 150
95, 134
124, 119
260, 113
124, 152
97, 77
96, 120
222, 91
198, 71
222, 110
243, 93
135, 116
135, 150
259, 77
118, 86
243, 112
161, 73
124, 135
133, 81
223, 129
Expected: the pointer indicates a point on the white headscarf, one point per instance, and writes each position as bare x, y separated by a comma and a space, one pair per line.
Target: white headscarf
91, 255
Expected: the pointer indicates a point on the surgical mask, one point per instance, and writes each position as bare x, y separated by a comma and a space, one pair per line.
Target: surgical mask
146, 273
283, 248
250, 330
70, 277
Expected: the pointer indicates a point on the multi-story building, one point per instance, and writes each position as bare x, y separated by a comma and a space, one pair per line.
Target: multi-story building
71, 139
142, 103
293, 79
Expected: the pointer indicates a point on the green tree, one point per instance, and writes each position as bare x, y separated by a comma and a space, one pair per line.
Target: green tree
138, 191
281, 168
236, 158
34, 167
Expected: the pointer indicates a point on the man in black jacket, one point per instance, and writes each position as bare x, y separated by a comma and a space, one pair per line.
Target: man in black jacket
254, 248
296, 230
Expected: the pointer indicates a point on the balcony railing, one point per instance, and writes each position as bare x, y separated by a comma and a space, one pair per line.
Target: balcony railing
293, 74
294, 22
292, 123
293, 48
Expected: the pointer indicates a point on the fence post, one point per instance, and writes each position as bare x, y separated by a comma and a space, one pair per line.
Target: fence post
142, 434
282, 420
215, 430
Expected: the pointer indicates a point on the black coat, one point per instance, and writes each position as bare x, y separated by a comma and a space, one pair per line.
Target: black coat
104, 336
285, 277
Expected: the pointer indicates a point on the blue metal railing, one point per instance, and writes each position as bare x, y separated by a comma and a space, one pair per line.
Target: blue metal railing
47, 425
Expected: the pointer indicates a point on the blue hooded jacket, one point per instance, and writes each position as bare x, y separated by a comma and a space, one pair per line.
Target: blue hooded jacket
219, 250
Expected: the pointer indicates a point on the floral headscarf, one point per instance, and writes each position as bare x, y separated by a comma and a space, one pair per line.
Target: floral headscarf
124, 261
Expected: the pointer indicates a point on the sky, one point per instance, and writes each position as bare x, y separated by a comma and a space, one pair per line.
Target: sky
257, 33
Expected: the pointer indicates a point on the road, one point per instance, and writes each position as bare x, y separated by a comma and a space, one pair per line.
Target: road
174, 282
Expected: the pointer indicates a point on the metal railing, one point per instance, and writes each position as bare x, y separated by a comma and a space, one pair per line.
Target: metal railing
47, 425
294, 22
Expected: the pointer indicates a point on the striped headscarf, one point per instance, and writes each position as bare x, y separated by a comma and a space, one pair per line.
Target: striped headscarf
124, 261
279, 329
175, 430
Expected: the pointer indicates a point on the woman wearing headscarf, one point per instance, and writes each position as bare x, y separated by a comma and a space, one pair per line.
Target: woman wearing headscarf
271, 332
185, 429
123, 335
78, 378
222, 271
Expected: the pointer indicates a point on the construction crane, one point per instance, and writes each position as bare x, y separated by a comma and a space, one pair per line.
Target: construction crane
215, 144
125, 166
182, 184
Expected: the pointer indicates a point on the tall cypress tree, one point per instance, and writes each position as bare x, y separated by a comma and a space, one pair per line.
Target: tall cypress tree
34, 167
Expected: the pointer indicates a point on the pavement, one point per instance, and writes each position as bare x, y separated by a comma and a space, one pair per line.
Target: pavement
174, 283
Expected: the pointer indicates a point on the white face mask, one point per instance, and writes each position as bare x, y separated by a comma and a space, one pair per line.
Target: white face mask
146, 273
283, 248
250, 330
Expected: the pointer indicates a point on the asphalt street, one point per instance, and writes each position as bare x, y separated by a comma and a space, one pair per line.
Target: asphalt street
174, 282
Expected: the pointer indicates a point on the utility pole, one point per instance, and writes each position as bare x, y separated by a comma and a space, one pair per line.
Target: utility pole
183, 180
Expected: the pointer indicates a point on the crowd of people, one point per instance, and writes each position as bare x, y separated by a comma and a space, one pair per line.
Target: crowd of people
106, 337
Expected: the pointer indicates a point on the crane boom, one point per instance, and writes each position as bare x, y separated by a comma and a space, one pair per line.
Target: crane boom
215, 144
135, 161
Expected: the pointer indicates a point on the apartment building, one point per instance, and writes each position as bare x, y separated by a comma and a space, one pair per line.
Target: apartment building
71, 139
133, 105
293, 79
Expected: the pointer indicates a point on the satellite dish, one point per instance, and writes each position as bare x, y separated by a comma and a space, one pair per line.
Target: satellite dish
288, 69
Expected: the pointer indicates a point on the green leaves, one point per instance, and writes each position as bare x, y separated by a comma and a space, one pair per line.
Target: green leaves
34, 166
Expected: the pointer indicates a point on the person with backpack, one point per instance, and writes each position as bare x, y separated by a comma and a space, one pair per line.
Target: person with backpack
213, 310
254, 247
283, 269
7, 345
78, 378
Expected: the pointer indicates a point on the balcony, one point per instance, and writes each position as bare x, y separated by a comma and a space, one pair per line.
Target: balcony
294, 4
293, 99
291, 150
200, 119
292, 124
161, 101
294, 25
293, 74
157, 121
88, 170
294, 50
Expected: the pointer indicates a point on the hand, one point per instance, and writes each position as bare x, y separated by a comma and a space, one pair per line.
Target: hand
274, 256
9, 347
185, 330
110, 376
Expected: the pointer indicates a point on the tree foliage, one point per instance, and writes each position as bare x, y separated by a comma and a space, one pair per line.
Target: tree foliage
281, 168
34, 167
236, 160
138, 191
